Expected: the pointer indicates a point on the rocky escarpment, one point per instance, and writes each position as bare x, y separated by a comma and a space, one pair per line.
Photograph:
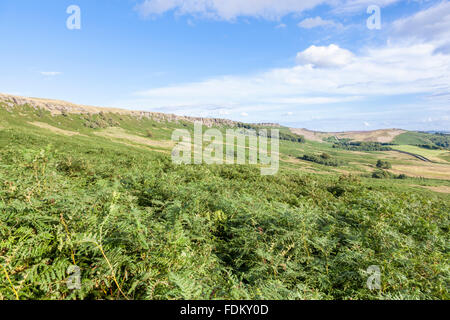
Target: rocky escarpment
57, 107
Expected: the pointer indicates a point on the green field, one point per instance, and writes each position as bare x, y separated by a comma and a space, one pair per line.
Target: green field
411, 138
101, 193
430, 154
445, 156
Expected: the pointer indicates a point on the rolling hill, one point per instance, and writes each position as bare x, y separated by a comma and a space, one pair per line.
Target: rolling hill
95, 190
382, 135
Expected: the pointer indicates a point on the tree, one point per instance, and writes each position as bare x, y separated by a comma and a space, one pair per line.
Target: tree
383, 164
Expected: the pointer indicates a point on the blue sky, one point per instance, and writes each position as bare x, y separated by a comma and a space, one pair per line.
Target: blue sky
309, 63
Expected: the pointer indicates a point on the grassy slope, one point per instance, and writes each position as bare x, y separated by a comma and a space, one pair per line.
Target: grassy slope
411, 138
433, 155
140, 227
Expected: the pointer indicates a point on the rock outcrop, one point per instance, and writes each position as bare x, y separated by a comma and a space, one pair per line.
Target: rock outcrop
57, 107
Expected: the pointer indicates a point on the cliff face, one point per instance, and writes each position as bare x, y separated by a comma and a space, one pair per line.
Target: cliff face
57, 107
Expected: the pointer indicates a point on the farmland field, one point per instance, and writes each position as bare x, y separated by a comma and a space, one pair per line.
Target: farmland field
434, 155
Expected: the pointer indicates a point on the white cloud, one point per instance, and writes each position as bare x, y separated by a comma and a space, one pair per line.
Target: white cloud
244, 114
50, 73
430, 25
228, 9
352, 6
378, 72
331, 56
266, 9
310, 23
326, 76
312, 100
281, 26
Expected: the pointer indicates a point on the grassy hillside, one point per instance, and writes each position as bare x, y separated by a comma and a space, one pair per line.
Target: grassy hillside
422, 139
412, 138
100, 192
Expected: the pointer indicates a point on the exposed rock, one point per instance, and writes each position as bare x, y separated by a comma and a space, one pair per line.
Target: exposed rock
269, 124
57, 107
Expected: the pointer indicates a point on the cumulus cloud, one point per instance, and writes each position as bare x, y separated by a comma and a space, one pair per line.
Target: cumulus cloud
392, 70
310, 23
330, 56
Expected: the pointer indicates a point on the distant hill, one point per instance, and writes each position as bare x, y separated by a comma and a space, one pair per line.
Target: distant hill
382, 135
437, 132
58, 107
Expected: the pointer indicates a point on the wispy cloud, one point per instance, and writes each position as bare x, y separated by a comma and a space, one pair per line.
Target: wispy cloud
228, 9
50, 73
310, 23
352, 6
431, 25
281, 26
265, 9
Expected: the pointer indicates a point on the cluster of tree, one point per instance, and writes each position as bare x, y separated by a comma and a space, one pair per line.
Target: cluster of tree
362, 146
383, 174
324, 159
434, 141
246, 126
441, 140
282, 135
292, 137
383, 164
429, 146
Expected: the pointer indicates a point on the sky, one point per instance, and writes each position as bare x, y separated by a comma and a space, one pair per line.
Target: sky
328, 65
